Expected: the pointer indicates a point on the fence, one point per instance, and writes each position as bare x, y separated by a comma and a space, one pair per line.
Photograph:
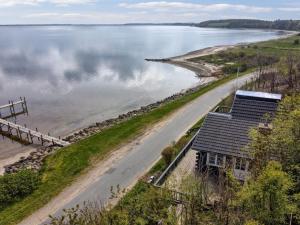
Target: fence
175, 162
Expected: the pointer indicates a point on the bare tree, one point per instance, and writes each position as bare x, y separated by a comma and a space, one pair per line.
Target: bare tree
291, 63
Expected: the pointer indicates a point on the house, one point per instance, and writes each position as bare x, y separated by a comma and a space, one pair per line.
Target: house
223, 138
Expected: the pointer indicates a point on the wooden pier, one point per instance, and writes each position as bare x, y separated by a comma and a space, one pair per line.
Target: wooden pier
22, 133
12, 108
19, 131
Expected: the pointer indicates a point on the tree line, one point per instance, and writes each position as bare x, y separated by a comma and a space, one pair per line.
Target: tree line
252, 24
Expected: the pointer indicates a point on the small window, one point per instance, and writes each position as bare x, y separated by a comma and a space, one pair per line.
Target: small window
215, 159
212, 158
240, 164
219, 160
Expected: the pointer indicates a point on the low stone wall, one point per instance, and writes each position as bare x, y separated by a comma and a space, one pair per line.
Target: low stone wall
35, 159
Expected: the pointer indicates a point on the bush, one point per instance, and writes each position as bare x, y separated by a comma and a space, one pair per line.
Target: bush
242, 54
167, 154
229, 69
296, 42
14, 187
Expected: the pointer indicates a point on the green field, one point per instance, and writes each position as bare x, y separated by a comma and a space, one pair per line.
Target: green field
277, 48
67, 164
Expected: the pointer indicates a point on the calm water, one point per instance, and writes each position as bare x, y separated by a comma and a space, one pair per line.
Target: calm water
73, 76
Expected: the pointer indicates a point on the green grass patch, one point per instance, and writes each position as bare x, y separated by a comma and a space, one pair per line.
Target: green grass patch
62, 168
247, 53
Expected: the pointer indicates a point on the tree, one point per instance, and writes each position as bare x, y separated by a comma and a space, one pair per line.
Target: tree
228, 186
195, 191
288, 67
283, 144
266, 198
252, 222
167, 154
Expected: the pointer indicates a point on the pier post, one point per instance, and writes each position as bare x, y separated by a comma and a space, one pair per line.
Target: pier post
25, 105
30, 136
10, 109
19, 133
13, 109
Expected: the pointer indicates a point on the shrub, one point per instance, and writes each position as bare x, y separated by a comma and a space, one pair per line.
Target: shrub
229, 69
14, 187
242, 54
167, 154
296, 42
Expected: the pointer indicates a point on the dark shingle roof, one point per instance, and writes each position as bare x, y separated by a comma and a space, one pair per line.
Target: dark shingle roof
229, 133
221, 133
253, 110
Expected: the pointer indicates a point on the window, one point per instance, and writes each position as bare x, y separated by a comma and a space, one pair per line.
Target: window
220, 160
212, 158
240, 164
215, 159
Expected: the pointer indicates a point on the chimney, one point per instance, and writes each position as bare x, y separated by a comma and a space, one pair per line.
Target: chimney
265, 128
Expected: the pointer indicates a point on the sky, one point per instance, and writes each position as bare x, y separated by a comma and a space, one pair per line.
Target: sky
132, 11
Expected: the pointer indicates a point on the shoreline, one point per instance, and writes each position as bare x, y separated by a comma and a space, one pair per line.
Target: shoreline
204, 69
34, 158
201, 70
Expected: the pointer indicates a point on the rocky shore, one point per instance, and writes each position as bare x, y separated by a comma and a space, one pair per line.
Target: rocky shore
35, 159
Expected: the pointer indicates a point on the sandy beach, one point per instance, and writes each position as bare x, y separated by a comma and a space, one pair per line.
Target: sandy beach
202, 69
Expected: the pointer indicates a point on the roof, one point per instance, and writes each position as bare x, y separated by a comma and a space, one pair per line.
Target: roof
259, 95
229, 133
221, 133
253, 110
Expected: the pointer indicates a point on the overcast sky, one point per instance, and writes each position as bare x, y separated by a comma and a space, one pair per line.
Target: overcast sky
127, 11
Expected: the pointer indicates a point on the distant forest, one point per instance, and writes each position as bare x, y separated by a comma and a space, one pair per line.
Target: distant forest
248, 23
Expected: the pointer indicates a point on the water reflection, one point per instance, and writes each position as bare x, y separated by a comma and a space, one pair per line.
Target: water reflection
73, 76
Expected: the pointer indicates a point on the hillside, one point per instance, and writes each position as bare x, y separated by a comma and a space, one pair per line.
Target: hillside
255, 24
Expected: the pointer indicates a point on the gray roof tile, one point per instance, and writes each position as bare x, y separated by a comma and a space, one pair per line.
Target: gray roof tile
229, 133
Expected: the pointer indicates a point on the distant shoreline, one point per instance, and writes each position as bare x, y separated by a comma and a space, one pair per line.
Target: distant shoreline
206, 69
204, 24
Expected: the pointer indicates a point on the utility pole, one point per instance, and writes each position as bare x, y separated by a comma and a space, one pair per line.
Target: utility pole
237, 76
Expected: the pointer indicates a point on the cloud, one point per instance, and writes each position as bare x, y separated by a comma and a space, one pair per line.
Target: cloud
79, 17
10, 3
70, 2
60, 15
91, 63
163, 5
296, 9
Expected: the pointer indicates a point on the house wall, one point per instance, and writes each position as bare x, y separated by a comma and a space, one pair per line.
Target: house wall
240, 166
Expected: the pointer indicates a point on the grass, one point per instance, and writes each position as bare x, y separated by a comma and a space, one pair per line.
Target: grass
62, 168
141, 187
160, 166
277, 47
